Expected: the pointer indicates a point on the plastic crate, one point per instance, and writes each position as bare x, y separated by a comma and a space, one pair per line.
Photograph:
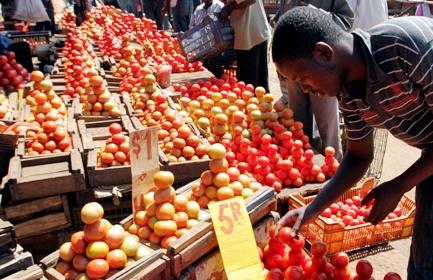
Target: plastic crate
340, 238
206, 39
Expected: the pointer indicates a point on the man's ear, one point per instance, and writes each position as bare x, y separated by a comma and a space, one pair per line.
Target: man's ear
323, 51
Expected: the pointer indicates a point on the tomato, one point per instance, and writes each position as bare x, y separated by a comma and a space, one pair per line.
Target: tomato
273, 260
95, 231
97, 268
294, 273
59, 134
364, 269
111, 148
115, 128
285, 235
116, 259
297, 243
107, 158
277, 246
318, 263
392, 276
340, 259
275, 274
97, 250
80, 263
78, 243
319, 248
118, 138
66, 253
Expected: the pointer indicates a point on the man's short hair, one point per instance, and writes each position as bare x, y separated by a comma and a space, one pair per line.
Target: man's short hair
299, 29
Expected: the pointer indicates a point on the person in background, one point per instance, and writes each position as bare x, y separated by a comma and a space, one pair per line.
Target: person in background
8, 9
319, 114
113, 3
212, 8
152, 10
424, 10
248, 19
134, 7
383, 78
80, 9
368, 13
182, 11
47, 25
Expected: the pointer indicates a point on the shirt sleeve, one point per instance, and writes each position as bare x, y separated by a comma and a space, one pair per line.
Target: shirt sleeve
356, 128
422, 74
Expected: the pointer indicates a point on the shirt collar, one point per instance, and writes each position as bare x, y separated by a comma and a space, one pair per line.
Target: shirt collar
375, 75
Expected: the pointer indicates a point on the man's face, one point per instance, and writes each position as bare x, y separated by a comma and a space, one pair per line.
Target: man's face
207, 3
317, 75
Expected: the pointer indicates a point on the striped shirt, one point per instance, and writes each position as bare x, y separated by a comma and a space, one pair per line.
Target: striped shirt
398, 94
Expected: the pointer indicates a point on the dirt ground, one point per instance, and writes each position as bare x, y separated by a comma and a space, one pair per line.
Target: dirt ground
398, 157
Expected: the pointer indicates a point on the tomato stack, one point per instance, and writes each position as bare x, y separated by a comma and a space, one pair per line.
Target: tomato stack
116, 150
12, 74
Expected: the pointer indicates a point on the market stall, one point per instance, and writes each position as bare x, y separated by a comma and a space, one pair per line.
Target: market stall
128, 161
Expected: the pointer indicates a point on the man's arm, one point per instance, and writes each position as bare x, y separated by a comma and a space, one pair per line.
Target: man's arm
355, 163
233, 5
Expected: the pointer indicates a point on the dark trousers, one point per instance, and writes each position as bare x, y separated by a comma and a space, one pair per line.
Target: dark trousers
182, 15
421, 252
152, 10
217, 63
252, 67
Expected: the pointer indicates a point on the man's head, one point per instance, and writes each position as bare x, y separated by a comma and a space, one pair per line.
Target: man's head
303, 49
207, 3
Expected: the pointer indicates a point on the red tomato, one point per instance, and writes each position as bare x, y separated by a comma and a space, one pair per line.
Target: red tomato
364, 269
285, 235
275, 274
107, 158
273, 260
111, 148
277, 246
115, 128
392, 276
297, 243
319, 248
340, 259
97, 268
327, 213
318, 276
118, 138
78, 243
294, 273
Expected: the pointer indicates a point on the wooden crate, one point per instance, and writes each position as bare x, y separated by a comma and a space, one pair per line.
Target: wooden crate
191, 77
12, 263
93, 134
106, 176
35, 177
33, 272
40, 245
78, 112
8, 242
49, 262
340, 238
39, 216
201, 239
211, 265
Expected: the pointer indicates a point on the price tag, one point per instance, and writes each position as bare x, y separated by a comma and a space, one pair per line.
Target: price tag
144, 163
235, 236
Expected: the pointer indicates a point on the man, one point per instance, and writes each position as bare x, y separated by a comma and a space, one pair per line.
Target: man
182, 11
152, 10
383, 78
319, 114
248, 19
368, 13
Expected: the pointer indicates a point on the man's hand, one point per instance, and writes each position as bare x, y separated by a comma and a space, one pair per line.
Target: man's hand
296, 218
224, 15
386, 198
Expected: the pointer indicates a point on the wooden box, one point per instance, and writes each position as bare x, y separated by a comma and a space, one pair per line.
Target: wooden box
106, 176
211, 265
39, 216
12, 105
49, 262
8, 242
12, 263
78, 112
93, 134
36, 177
33, 272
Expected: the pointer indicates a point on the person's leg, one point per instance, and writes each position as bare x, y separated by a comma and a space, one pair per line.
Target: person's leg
421, 252
248, 65
159, 18
300, 104
263, 66
215, 65
325, 110
182, 14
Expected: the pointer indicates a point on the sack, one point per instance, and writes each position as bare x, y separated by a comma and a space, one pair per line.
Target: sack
30, 10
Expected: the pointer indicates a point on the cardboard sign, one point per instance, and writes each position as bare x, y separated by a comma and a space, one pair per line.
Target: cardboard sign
144, 163
235, 237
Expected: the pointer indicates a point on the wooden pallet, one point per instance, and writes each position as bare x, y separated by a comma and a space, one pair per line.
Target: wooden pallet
36, 177
39, 216
191, 77
49, 262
